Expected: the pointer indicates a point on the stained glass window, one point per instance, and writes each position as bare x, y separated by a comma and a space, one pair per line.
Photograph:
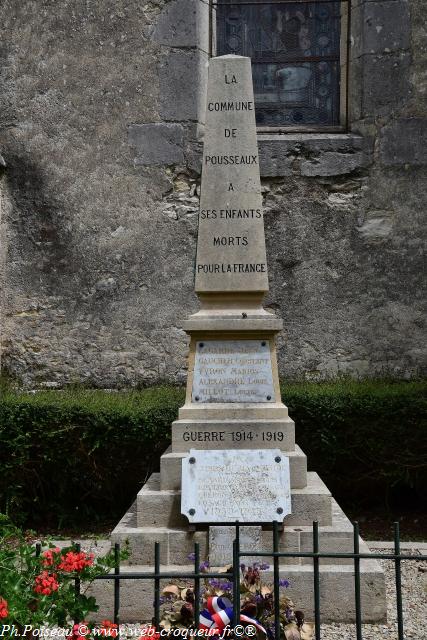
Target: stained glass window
295, 50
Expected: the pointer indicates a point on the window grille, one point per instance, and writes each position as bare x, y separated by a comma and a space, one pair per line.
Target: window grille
299, 58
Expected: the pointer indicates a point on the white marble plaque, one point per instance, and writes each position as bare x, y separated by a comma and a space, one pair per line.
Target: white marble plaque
233, 371
249, 485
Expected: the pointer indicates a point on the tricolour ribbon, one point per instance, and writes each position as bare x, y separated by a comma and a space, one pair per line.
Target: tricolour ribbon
219, 614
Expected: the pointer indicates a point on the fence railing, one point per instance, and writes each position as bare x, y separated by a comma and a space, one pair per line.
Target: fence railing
157, 575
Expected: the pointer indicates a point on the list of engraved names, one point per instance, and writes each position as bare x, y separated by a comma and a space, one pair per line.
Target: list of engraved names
233, 371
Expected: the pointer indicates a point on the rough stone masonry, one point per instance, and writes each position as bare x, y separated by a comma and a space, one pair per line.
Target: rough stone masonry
101, 128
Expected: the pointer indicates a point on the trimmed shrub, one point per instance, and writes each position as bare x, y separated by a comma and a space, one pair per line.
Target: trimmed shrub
74, 457
367, 440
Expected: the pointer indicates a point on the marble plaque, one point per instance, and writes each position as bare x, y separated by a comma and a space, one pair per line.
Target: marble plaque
233, 371
250, 485
221, 544
230, 246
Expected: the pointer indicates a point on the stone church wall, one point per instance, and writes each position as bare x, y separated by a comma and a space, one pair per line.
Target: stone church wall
101, 121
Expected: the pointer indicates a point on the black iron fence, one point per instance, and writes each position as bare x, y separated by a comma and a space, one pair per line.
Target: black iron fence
197, 575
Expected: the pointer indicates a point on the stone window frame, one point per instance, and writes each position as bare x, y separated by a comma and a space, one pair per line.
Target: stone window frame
289, 152
379, 80
345, 42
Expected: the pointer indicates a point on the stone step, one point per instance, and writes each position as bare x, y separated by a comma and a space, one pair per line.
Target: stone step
162, 508
176, 544
156, 508
257, 432
171, 462
336, 592
233, 411
312, 502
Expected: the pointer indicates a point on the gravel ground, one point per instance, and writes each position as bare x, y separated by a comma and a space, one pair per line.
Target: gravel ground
414, 595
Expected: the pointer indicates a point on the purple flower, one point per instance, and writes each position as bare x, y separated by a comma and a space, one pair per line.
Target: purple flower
258, 598
284, 583
191, 556
213, 582
226, 586
264, 566
204, 566
242, 567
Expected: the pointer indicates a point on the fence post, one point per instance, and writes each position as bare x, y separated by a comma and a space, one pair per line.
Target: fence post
398, 573
358, 610
77, 582
276, 586
316, 578
196, 584
156, 585
236, 577
116, 584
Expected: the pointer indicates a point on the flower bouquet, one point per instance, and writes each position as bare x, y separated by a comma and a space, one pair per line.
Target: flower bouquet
256, 606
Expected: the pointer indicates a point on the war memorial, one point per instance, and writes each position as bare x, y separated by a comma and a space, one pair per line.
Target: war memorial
233, 455
212, 317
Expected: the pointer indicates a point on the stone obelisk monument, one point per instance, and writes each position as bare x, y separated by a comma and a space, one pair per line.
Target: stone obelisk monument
233, 396
233, 399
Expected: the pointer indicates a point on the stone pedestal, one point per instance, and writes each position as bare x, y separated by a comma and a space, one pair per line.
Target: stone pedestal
155, 517
233, 396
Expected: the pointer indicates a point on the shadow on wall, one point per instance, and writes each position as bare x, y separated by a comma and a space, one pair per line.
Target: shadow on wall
38, 254
40, 238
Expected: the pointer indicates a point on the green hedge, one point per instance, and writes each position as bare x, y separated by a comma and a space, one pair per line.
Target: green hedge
367, 440
76, 456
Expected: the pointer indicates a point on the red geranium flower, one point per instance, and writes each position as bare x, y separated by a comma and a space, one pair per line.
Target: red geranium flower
76, 561
3, 608
48, 556
76, 635
46, 583
109, 629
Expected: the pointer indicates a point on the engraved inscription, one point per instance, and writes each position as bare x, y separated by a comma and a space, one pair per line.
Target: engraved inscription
231, 246
221, 544
237, 105
234, 436
233, 371
224, 486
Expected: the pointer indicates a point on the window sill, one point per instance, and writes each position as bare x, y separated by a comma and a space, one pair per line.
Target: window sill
312, 154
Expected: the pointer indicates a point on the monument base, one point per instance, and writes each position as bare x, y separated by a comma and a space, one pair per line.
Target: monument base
237, 352
177, 542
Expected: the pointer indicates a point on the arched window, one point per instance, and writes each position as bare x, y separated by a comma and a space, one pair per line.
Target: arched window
299, 58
